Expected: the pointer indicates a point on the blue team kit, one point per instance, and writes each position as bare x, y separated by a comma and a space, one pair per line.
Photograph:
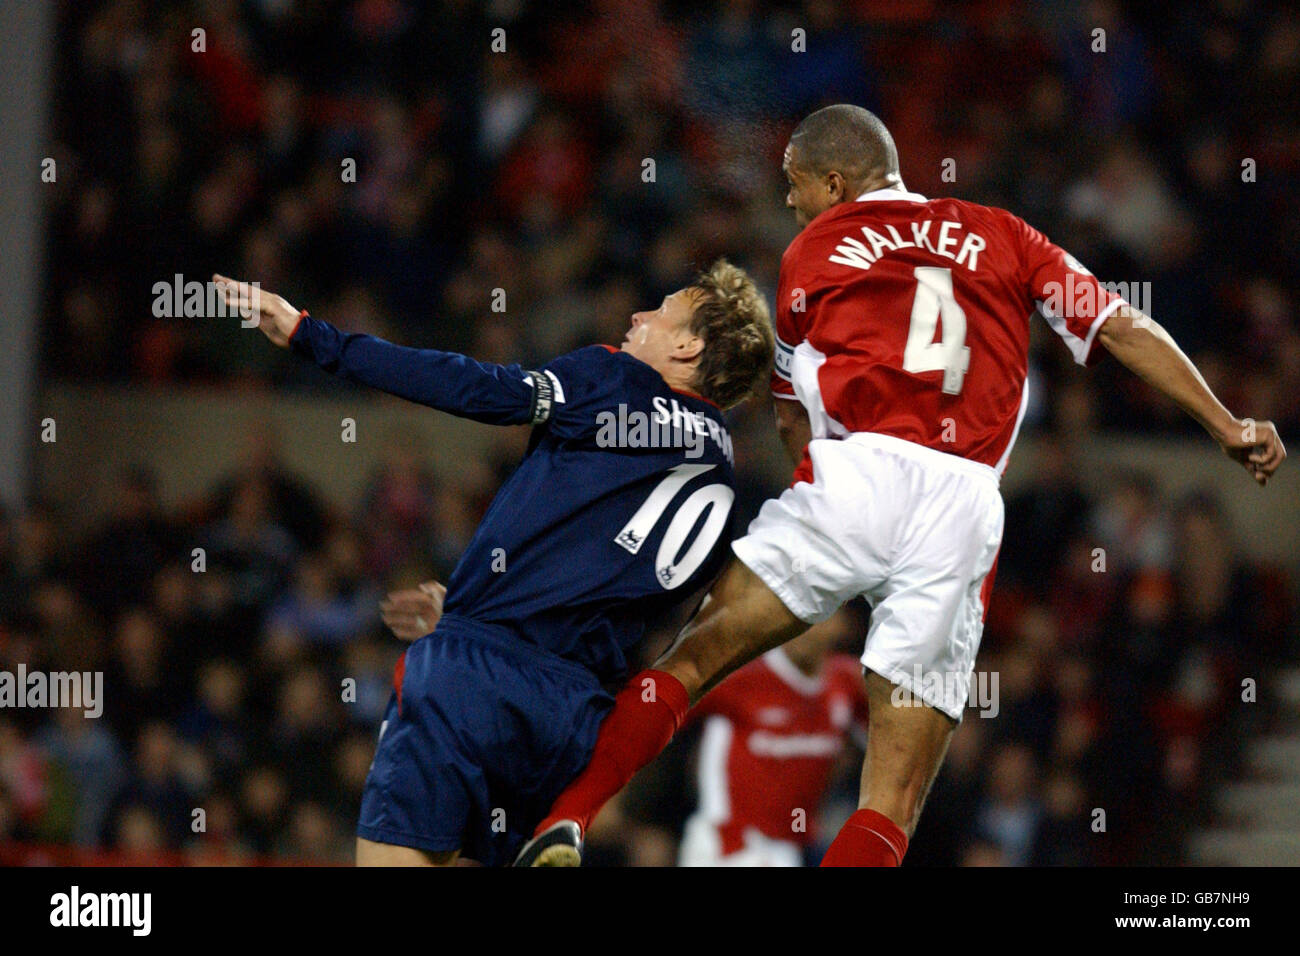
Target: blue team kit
620, 509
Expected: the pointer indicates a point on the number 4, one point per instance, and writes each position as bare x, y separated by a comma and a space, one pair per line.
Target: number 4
934, 300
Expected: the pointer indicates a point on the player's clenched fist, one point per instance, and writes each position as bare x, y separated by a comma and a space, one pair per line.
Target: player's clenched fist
1256, 446
275, 317
413, 613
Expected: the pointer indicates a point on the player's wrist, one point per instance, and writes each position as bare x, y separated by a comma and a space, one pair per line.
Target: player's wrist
1226, 428
294, 325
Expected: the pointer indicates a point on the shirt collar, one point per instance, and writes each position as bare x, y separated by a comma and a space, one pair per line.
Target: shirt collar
889, 193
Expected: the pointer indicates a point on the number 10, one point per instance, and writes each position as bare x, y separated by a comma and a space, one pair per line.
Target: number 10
716, 497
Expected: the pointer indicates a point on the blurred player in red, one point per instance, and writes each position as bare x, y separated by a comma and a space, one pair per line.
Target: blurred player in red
772, 735
903, 346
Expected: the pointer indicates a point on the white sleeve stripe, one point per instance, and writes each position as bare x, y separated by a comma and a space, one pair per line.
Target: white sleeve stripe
1060, 328
788, 398
1079, 348
1105, 314
559, 389
781, 345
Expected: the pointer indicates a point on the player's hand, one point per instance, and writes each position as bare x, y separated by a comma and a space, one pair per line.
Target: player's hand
1255, 446
413, 613
275, 317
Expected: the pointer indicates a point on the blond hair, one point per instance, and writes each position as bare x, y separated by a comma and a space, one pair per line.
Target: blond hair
732, 318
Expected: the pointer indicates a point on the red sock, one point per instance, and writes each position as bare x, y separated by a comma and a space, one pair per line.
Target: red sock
867, 838
646, 714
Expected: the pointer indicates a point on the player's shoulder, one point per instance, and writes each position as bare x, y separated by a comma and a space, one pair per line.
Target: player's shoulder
609, 366
587, 357
795, 252
610, 392
830, 225
829, 222
600, 368
969, 213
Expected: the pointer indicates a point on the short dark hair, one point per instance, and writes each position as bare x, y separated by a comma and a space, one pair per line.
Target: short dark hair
846, 139
732, 318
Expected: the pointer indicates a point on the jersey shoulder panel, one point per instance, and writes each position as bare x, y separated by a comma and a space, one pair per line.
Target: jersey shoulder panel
584, 383
586, 367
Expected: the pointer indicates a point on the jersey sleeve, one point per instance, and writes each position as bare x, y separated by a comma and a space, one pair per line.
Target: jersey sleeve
583, 384
1069, 297
447, 381
791, 303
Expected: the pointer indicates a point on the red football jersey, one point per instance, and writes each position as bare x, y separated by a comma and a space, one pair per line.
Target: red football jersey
909, 317
771, 737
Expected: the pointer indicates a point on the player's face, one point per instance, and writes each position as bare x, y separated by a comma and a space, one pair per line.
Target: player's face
809, 196
663, 336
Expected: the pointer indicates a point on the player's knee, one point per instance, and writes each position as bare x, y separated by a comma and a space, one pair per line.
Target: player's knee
688, 670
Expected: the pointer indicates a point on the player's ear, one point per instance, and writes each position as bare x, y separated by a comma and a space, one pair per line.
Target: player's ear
689, 347
835, 187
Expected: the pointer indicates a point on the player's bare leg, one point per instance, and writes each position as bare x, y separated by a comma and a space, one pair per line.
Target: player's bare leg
370, 853
739, 620
906, 744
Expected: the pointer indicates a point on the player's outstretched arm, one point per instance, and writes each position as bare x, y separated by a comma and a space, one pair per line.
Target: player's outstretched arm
450, 382
275, 317
1149, 351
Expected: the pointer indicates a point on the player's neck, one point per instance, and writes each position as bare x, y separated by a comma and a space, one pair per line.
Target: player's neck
680, 379
877, 183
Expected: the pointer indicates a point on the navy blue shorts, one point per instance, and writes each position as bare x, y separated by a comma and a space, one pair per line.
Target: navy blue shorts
484, 733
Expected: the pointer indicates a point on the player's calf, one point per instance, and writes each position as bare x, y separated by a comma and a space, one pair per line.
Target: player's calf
905, 747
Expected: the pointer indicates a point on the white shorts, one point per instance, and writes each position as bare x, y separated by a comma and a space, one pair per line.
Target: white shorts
913, 530
702, 846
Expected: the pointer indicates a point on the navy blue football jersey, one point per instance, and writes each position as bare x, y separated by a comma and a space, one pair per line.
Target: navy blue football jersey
620, 508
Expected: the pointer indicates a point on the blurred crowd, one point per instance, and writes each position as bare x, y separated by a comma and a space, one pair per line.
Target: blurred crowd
612, 148
377, 161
